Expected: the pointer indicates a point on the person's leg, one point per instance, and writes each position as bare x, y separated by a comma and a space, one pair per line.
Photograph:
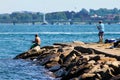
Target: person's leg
101, 36
33, 46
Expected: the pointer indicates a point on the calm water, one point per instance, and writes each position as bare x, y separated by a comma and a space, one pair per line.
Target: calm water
15, 39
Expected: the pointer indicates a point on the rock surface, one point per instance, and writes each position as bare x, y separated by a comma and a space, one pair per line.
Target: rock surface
77, 60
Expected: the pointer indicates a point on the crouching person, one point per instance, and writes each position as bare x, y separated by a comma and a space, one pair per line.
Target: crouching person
36, 42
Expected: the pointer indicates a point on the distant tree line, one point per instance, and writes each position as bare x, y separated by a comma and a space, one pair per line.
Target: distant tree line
82, 15
20, 17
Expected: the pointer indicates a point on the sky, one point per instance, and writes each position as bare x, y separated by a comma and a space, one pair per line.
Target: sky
47, 6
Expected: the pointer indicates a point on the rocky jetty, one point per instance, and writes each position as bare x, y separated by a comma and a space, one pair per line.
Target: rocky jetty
77, 60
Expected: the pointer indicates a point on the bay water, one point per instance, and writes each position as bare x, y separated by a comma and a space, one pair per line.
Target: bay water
15, 39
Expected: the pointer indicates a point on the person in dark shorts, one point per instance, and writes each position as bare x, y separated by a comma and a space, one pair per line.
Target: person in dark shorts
36, 42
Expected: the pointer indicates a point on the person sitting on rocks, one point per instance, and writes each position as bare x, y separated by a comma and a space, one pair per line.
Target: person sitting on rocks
36, 42
110, 40
116, 44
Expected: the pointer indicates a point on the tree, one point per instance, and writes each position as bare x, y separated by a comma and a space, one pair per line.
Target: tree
117, 18
82, 15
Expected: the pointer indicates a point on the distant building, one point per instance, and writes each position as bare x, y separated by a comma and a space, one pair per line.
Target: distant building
109, 17
96, 16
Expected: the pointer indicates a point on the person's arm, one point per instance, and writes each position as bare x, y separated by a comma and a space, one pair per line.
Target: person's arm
98, 27
34, 41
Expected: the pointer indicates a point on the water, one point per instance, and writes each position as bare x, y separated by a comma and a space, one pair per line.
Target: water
15, 39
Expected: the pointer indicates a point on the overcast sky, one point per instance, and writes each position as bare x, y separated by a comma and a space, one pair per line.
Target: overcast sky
45, 6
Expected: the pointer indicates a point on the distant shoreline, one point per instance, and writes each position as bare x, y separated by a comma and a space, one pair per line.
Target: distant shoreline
80, 23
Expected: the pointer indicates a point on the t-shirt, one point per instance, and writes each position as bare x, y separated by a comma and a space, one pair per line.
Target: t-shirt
101, 27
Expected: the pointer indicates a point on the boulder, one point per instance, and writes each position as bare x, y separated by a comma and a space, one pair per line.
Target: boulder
84, 50
55, 67
30, 54
117, 77
61, 72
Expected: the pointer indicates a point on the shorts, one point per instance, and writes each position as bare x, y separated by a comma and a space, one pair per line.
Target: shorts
34, 45
100, 33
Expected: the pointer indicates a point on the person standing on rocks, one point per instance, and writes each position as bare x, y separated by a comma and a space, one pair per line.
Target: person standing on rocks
100, 28
36, 42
